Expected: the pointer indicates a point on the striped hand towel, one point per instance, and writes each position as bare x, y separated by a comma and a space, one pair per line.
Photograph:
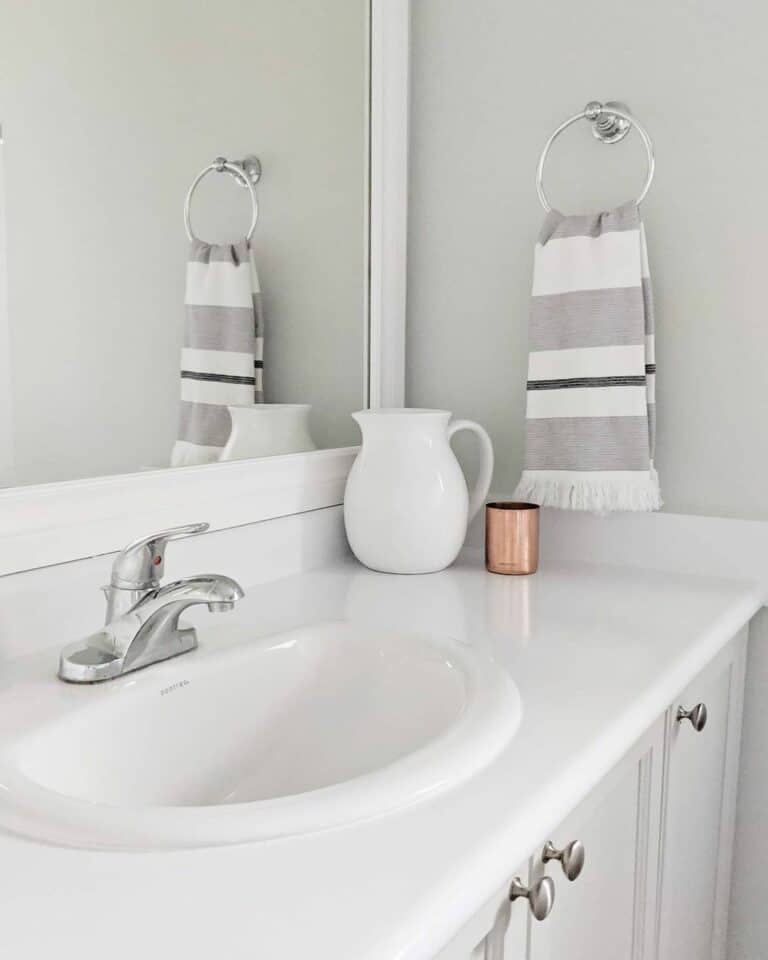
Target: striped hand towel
222, 352
590, 420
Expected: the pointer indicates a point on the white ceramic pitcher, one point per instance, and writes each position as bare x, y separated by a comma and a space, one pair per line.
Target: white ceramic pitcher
406, 506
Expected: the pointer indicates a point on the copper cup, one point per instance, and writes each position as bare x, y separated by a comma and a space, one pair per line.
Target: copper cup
512, 538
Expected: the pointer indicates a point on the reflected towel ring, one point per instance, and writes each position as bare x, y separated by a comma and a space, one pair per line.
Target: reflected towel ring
246, 174
611, 122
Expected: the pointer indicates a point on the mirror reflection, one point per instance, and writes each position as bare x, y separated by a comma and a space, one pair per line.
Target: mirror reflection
182, 232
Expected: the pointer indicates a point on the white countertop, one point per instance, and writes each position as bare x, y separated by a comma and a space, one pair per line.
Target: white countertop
597, 650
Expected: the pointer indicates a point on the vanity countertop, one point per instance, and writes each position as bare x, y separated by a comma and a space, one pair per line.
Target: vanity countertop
597, 647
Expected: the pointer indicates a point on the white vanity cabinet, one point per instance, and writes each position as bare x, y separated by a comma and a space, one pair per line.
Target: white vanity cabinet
657, 834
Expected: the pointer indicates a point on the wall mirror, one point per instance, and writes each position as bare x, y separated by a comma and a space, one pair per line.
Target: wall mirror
144, 374
109, 112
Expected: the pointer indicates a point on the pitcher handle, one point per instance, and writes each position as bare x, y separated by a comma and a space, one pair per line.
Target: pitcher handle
483, 482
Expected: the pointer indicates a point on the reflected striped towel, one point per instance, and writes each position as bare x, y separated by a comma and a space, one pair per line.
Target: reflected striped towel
590, 420
222, 353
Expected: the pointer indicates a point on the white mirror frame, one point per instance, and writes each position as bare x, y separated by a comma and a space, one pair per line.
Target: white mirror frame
57, 522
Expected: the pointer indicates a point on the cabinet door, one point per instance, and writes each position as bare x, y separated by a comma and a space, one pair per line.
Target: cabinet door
508, 938
698, 819
608, 911
496, 932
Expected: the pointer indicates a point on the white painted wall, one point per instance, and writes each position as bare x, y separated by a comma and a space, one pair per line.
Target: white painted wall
491, 80
109, 110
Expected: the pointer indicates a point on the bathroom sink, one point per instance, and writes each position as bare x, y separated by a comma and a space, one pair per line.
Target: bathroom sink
318, 727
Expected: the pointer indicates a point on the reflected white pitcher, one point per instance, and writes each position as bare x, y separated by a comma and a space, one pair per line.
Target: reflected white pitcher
406, 506
268, 430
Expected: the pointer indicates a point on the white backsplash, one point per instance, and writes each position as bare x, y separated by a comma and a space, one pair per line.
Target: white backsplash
47, 608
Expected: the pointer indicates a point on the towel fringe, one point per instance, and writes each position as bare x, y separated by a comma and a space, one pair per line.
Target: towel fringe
591, 495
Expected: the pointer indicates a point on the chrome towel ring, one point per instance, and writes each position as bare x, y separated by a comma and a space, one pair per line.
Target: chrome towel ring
611, 122
246, 172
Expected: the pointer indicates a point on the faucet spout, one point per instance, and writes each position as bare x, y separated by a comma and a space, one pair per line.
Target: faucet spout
221, 606
159, 634
218, 592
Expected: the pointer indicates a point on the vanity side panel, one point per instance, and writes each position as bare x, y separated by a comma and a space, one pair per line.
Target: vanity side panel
748, 918
730, 791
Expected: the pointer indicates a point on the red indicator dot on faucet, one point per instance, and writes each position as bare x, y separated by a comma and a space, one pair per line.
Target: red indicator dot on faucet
157, 561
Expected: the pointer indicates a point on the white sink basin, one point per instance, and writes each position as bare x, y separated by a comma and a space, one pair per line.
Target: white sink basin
317, 727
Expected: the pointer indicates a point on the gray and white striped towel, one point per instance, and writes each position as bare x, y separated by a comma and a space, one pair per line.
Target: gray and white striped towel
222, 352
590, 420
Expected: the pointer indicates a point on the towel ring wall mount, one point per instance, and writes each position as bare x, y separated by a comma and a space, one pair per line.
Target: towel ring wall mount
611, 122
246, 173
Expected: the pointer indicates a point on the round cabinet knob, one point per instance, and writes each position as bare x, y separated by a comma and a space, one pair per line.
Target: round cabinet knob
571, 857
540, 895
697, 716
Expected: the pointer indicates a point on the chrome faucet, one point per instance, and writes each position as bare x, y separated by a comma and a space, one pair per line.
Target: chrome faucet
142, 621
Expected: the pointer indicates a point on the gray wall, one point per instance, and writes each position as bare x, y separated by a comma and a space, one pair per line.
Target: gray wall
491, 80
6, 421
109, 110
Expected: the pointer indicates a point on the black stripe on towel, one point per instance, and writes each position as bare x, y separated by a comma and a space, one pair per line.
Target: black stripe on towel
566, 382
259, 364
650, 368
217, 377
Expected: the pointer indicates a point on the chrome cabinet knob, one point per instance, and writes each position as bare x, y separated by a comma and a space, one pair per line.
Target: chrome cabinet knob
571, 857
540, 895
697, 716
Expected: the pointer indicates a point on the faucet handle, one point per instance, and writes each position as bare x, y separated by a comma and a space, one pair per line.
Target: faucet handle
140, 565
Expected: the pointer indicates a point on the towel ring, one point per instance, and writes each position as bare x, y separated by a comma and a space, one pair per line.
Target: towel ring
611, 122
246, 175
